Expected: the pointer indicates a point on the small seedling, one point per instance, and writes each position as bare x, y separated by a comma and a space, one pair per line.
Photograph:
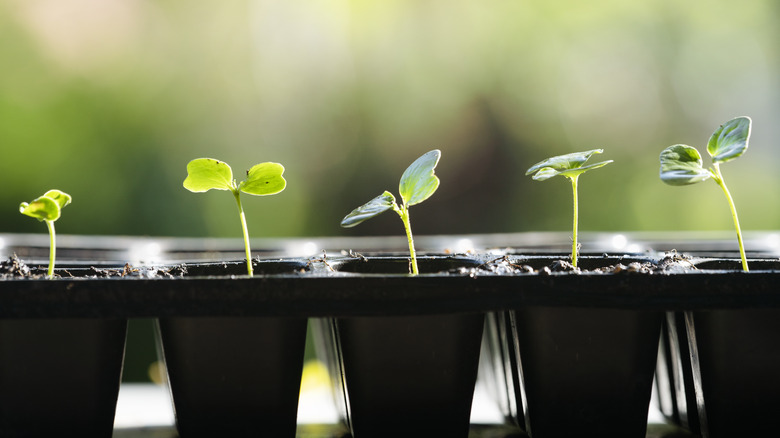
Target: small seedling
682, 165
204, 174
47, 208
570, 166
417, 184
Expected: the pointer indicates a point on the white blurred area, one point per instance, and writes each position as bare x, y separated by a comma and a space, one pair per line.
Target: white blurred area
148, 405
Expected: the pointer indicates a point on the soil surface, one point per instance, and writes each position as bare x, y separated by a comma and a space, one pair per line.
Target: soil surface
505, 265
15, 268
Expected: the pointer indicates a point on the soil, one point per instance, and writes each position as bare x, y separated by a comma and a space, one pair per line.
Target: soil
672, 262
15, 268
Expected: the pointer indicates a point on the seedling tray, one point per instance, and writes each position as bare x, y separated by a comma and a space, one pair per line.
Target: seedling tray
363, 278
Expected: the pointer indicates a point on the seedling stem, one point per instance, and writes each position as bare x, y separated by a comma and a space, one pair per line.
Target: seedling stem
716, 175
574, 232
52, 248
403, 211
242, 216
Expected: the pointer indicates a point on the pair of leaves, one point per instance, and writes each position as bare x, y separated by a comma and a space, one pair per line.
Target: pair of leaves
204, 174
682, 164
47, 207
569, 165
417, 184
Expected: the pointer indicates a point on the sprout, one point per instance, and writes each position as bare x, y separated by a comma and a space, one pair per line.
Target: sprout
204, 174
682, 164
417, 184
47, 208
570, 166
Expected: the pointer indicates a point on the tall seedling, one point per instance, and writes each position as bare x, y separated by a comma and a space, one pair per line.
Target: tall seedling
417, 184
570, 166
682, 164
204, 174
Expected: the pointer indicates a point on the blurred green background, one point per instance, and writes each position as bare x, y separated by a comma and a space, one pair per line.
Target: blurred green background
109, 99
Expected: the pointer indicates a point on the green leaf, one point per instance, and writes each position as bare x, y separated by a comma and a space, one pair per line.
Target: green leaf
47, 207
264, 179
682, 165
376, 206
544, 173
204, 174
579, 170
730, 140
569, 165
61, 198
43, 209
418, 181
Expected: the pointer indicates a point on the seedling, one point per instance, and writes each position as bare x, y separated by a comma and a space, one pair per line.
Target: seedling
682, 165
570, 166
204, 174
47, 209
417, 184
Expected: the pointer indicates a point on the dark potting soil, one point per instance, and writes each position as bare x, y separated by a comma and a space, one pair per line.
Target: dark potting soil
15, 268
506, 265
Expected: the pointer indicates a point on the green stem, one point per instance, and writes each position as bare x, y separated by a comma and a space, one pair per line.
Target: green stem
574, 231
241, 214
52, 248
719, 179
404, 213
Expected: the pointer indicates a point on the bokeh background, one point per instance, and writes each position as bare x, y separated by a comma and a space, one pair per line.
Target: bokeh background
109, 99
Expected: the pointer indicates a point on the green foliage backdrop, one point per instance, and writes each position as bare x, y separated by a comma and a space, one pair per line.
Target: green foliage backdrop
109, 100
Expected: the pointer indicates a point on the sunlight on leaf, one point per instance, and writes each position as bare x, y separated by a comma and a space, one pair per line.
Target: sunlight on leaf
419, 182
264, 179
544, 173
569, 165
61, 198
730, 140
376, 206
42, 208
682, 165
204, 174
